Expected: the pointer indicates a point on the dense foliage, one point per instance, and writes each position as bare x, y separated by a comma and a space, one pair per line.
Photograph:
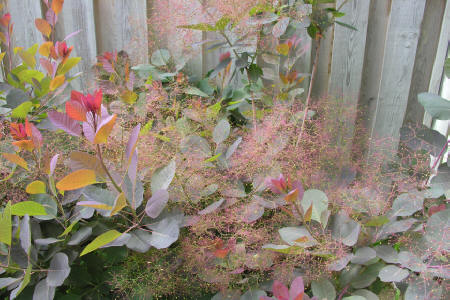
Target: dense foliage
235, 186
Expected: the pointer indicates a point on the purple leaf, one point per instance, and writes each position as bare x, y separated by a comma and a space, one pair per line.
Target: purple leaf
53, 163
51, 17
131, 145
297, 287
252, 212
88, 131
280, 291
212, 207
62, 121
156, 203
132, 168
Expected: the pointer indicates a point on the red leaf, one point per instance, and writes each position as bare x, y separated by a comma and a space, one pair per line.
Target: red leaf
76, 111
64, 122
280, 291
297, 288
434, 209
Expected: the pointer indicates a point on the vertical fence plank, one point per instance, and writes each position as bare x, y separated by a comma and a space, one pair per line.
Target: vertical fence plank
320, 85
426, 57
379, 13
79, 15
400, 50
122, 25
348, 58
23, 14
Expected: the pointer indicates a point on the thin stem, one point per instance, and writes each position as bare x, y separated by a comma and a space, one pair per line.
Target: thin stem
438, 159
308, 98
343, 292
99, 152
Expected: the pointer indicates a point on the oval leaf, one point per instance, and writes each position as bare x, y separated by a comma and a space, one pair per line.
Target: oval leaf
76, 180
30, 208
100, 241
156, 203
36, 187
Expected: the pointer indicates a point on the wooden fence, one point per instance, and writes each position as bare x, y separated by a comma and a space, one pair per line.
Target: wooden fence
397, 52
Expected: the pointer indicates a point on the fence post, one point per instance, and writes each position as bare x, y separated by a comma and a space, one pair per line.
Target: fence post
79, 15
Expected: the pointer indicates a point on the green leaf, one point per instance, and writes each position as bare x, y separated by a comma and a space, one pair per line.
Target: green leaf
59, 270
436, 106
286, 249
28, 75
214, 158
319, 202
201, 27
221, 131
377, 221
21, 111
254, 72
196, 92
297, 236
312, 30
222, 23
160, 57
68, 229
5, 225
323, 289
68, 65
23, 284
30, 208
393, 274
100, 241
162, 177
346, 25
447, 68
437, 230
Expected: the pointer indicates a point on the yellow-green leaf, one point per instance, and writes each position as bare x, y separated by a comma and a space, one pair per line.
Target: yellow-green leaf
129, 97
100, 241
2, 55
68, 229
283, 49
76, 180
5, 225
121, 202
214, 158
27, 58
36, 187
102, 134
30, 208
16, 159
57, 82
21, 111
95, 204
68, 65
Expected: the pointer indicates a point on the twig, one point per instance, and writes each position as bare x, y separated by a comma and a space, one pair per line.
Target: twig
308, 98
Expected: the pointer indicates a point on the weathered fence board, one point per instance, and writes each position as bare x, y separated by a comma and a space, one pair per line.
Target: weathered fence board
23, 14
400, 50
348, 52
374, 53
347, 61
122, 25
79, 15
320, 85
425, 58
